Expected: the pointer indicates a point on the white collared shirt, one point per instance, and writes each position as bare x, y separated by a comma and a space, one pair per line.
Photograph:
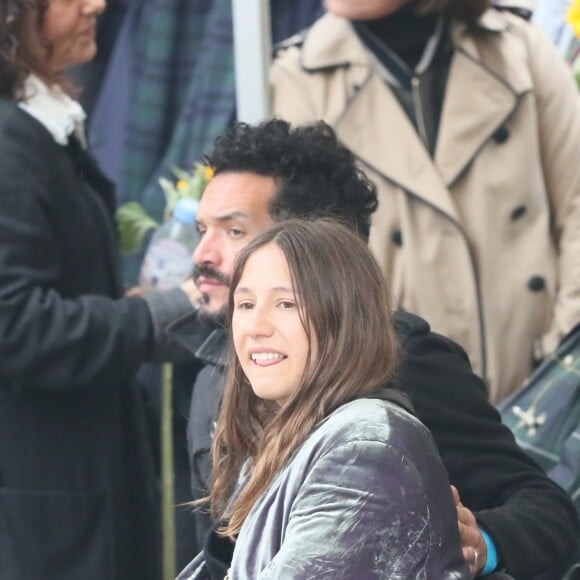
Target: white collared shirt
51, 106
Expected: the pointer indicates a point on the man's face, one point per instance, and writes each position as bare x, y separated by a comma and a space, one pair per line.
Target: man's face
232, 211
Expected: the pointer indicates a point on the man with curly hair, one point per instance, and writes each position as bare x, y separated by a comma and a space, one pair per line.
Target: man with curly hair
521, 521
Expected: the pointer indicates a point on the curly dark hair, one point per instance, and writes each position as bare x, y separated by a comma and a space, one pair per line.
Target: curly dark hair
315, 175
16, 62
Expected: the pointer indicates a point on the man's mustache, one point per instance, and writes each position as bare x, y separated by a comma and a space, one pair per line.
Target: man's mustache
210, 273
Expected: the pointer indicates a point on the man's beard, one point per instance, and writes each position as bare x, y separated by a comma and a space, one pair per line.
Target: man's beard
213, 319
219, 317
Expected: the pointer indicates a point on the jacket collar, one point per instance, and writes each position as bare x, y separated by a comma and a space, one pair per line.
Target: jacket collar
60, 115
205, 343
330, 42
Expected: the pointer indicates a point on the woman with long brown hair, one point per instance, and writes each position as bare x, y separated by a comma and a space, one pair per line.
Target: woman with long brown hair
317, 473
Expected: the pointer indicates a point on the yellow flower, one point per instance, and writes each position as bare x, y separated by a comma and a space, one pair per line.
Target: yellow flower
181, 184
573, 16
208, 172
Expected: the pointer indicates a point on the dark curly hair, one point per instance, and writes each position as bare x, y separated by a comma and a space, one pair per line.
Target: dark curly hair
16, 62
315, 175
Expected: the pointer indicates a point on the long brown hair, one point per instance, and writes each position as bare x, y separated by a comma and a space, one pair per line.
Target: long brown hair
16, 59
466, 10
345, 305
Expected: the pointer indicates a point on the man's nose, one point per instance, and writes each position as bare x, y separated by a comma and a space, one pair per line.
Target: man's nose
207, 251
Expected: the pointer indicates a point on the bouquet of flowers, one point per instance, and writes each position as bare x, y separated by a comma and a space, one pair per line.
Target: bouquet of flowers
133, 222
573, 16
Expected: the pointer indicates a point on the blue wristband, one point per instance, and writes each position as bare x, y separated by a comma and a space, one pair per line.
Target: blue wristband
491, 562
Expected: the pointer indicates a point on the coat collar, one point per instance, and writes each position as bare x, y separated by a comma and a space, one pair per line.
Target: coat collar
469, 120
60, 115
330, 42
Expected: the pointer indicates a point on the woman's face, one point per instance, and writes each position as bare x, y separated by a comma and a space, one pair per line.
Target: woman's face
269, 338
67, 33
363, 9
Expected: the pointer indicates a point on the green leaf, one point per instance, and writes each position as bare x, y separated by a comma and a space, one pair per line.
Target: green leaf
133, 222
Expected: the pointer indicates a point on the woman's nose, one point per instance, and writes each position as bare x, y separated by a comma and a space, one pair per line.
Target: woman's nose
260, 323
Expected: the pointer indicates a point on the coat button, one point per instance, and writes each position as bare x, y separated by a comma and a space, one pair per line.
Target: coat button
536, 283
501, 135
397, 237
518, 212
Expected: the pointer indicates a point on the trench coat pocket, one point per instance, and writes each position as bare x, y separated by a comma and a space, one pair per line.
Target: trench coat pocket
55, 535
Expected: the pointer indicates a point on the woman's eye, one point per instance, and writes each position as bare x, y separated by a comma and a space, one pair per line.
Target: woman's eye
287, 304
245, 306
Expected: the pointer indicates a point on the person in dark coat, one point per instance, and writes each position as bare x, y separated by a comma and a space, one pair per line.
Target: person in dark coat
268, 172
333, 479
77, 486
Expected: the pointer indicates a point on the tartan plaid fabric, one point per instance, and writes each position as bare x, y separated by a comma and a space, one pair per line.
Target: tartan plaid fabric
544, 415
184, 86
169, 38
200, 111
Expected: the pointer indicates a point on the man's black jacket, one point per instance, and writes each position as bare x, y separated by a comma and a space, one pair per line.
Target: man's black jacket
531, 520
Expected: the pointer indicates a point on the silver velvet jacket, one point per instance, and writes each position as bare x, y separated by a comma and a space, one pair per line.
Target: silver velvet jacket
364, 497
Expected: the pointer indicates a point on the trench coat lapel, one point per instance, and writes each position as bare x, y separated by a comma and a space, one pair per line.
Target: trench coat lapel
479, 100
378, 144
474, 108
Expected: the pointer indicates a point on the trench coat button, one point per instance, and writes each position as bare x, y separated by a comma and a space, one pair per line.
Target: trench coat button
536, 283
501, 135
518, 212
397, 237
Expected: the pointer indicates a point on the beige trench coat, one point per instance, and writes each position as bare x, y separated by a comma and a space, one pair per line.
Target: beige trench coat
483, 240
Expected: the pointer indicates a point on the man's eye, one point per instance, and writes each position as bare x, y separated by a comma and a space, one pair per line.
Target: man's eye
236, 233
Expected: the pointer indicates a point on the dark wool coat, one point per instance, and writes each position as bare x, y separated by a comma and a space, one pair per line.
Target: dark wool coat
77, 492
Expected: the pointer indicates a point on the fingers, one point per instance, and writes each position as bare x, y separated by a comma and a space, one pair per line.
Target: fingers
466, 517
134, 291
472, 542
455, 494
472, 558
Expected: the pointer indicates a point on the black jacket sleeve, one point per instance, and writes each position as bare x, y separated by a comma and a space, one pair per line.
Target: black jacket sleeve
62, 323
532, 521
